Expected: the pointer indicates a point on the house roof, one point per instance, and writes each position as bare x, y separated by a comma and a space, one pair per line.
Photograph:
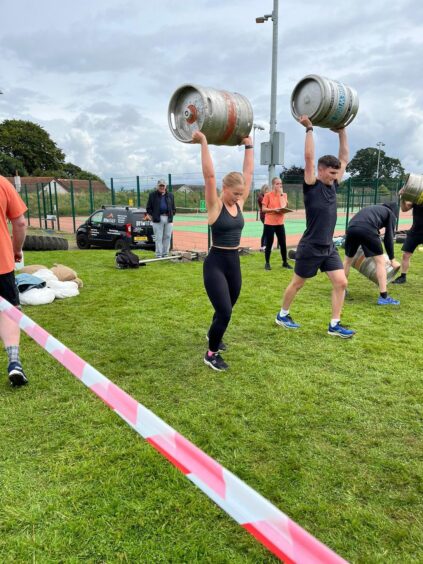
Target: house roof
78, 185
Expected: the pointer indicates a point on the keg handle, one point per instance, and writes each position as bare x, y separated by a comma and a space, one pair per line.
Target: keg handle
349, 120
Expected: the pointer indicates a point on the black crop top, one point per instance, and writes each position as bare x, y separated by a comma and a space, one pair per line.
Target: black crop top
226, 230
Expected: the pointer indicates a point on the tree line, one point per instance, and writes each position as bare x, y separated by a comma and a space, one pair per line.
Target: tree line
363, 166
27, 149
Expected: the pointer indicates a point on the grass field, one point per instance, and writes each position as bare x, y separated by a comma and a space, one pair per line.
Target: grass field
329, 430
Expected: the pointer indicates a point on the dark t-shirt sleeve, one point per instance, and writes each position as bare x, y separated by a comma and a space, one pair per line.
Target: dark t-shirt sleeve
389, 236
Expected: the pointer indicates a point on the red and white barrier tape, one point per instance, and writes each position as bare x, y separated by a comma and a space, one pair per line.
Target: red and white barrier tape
275, 530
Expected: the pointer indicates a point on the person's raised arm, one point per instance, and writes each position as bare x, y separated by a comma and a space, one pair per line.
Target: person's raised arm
309, 166
208, 171
344, 152
18, 236
248, 166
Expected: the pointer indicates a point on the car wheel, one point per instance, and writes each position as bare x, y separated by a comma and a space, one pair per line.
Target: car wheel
82, 242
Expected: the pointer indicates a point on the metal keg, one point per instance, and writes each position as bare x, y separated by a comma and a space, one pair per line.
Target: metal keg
292, 253
367, 267
413, 189
224, 117
328, 103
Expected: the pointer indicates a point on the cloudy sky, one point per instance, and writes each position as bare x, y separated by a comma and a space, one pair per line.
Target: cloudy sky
98, 74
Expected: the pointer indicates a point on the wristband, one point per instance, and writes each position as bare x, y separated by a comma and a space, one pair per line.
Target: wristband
309, 129
249, 146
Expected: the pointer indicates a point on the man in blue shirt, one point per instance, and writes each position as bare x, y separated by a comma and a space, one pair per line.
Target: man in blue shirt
161, 209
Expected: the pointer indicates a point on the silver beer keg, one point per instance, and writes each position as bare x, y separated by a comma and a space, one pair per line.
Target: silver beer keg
224, 117
413, 189
367, 267
328, 103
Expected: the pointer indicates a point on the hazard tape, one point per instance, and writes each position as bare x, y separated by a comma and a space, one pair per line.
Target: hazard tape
275, 530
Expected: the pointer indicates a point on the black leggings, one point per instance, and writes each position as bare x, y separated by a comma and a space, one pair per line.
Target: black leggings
263, 236
222, 280
270, 232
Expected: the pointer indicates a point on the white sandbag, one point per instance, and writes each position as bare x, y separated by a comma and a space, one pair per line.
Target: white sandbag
37, 296
63, 289
45, 274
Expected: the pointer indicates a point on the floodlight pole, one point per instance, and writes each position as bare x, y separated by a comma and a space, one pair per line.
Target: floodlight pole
274, 84
274, 87
379, 144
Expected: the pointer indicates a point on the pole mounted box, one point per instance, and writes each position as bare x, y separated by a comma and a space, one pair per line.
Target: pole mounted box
273, 153
266, 153
278, 149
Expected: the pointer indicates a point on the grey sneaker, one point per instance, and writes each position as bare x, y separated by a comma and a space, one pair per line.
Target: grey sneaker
216, 362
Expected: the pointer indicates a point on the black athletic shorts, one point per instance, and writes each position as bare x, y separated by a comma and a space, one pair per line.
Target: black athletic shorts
309, 258
412, 241
368, 239
8, 288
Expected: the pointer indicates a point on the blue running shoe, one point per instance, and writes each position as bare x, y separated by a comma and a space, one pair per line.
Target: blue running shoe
17, 376
387, 301
286, 321
339, 331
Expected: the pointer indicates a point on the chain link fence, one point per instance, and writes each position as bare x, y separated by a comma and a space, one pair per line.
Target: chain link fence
48, 202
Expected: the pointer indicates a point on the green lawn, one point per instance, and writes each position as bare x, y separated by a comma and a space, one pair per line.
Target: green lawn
329, 430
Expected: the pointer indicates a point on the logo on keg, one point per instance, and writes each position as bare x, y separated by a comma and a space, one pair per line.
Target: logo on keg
341, 103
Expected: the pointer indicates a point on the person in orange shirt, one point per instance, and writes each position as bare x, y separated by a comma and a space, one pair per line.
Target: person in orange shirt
273, 201
12, 208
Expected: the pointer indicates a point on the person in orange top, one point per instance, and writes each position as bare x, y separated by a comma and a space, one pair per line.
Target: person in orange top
12, 208
273, 201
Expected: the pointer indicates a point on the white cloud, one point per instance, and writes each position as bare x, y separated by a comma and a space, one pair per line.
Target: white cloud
98, 75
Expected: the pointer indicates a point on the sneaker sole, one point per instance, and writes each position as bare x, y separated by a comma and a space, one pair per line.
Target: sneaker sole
214, 367
388, 304
17, 379
334, 334
283, 325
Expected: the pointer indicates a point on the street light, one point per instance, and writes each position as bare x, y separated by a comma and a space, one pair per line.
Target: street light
256, 126
379, 144
274, 17
260, 128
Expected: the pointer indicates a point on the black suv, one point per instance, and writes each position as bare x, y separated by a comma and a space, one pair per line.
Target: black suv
116, 227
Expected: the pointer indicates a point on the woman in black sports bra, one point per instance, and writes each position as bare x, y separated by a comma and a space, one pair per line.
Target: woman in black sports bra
222, 272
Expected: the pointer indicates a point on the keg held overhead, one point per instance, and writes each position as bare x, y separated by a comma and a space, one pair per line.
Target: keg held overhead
224, 117
412, 191
328, 103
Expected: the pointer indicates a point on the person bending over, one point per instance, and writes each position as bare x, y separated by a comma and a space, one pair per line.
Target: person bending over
316, 249
414, 237
222, 272
363, 229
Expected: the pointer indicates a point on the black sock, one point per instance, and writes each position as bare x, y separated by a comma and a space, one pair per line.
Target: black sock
384, 295
403, 275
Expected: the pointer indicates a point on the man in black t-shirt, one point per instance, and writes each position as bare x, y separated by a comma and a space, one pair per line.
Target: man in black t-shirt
363, 230
413, 240
316, 249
